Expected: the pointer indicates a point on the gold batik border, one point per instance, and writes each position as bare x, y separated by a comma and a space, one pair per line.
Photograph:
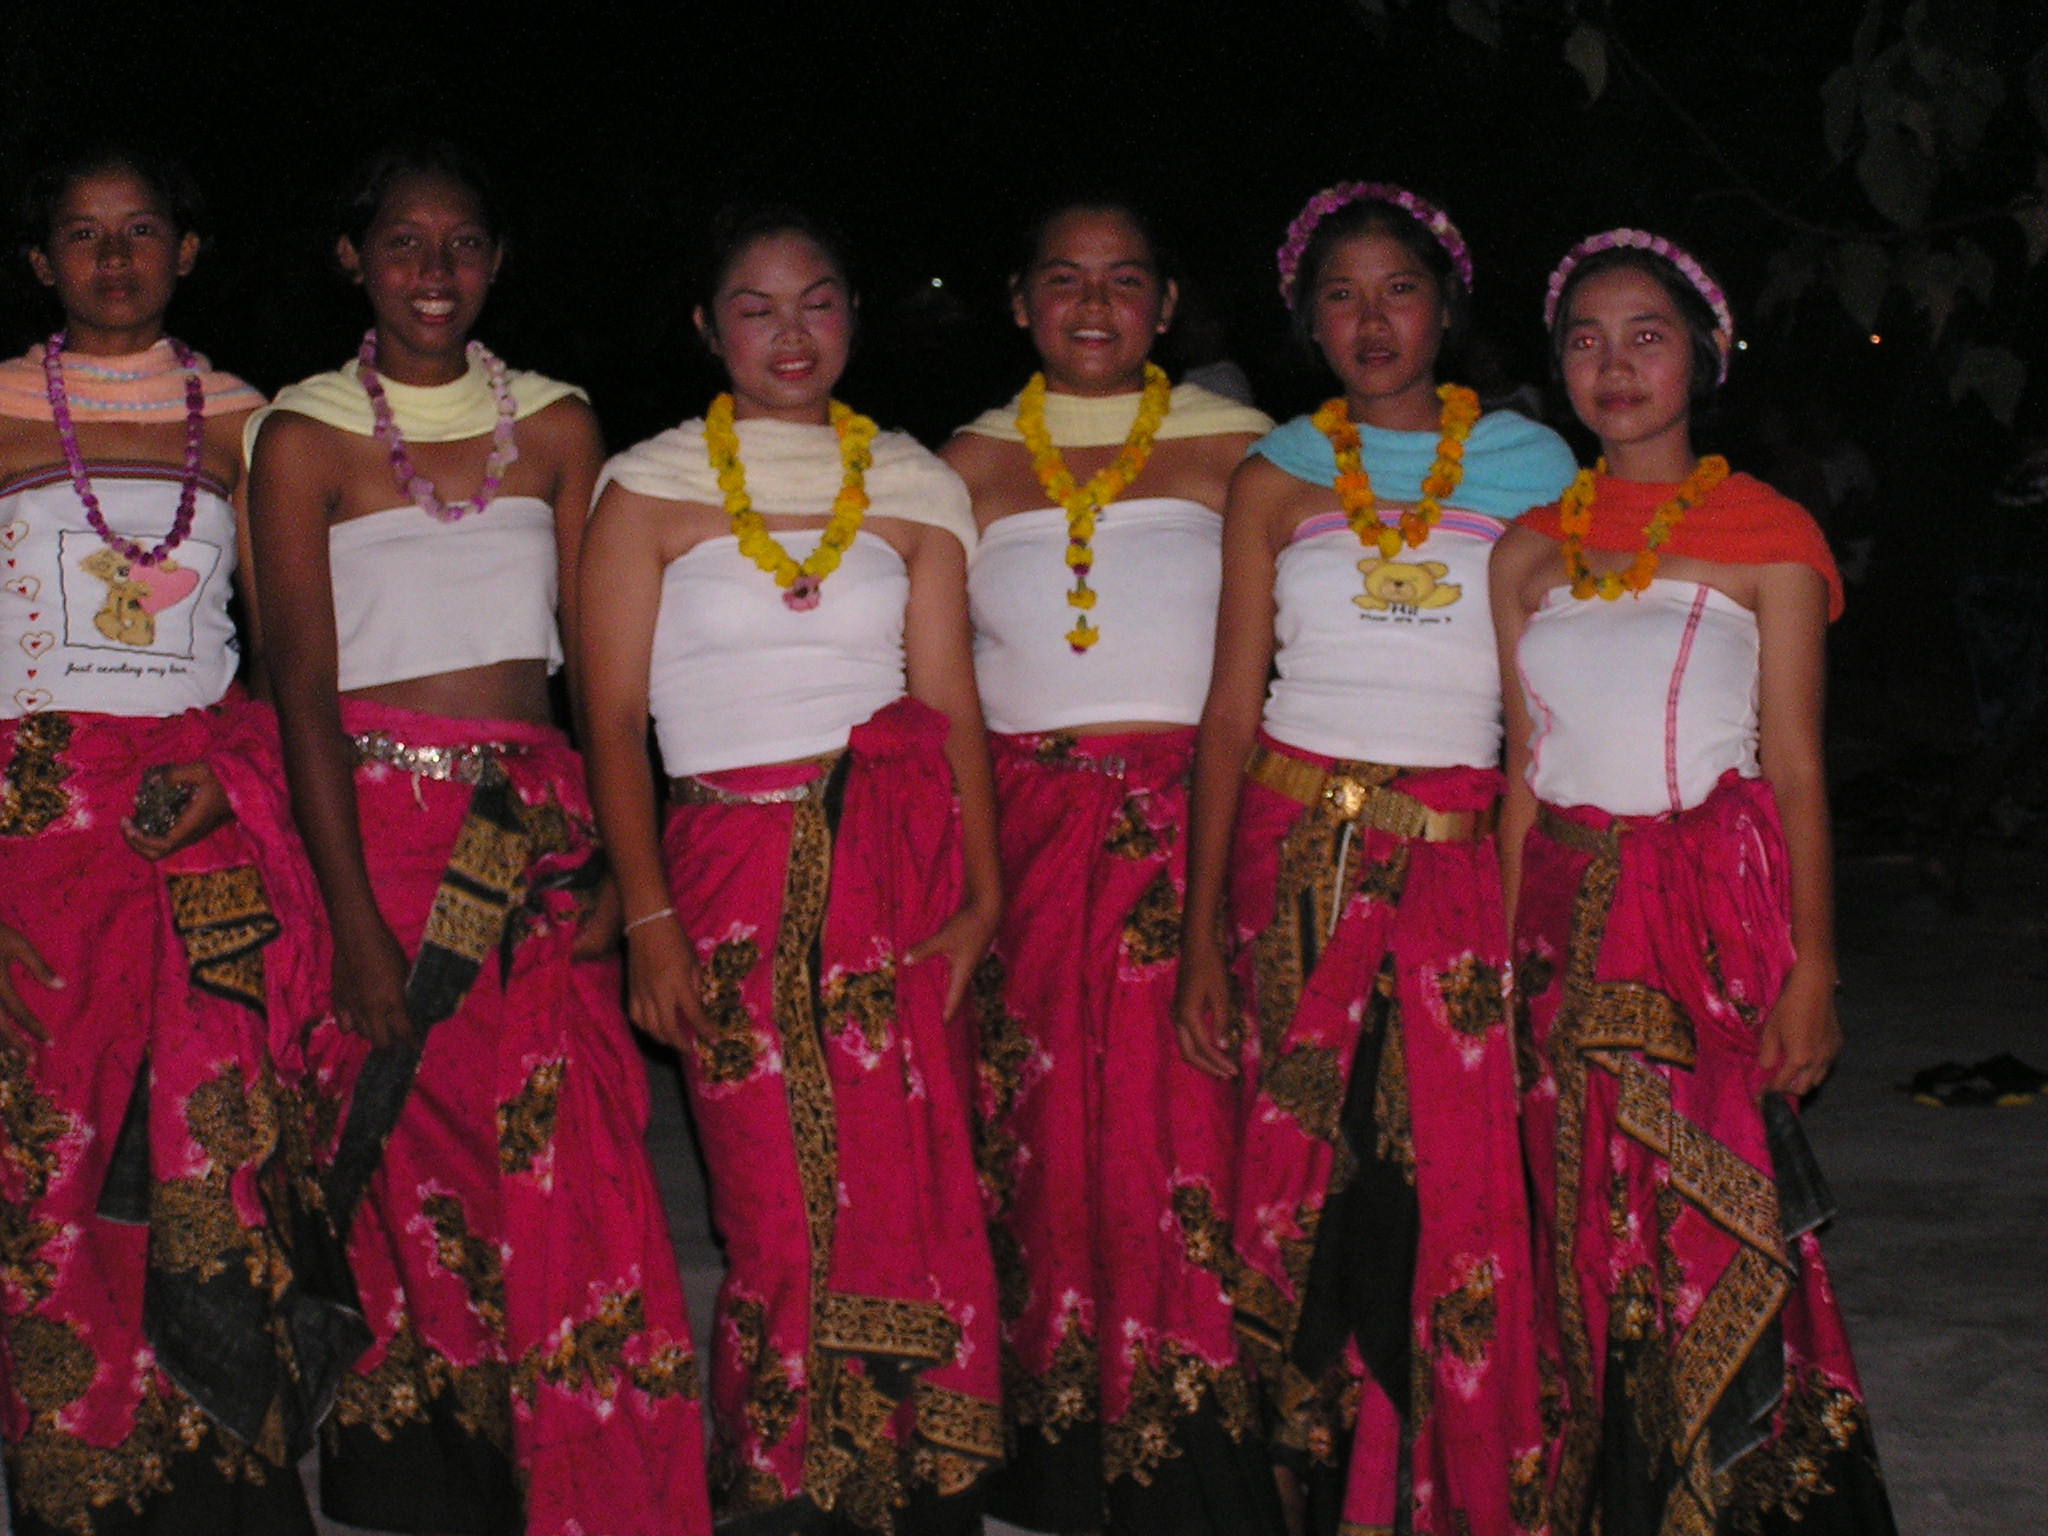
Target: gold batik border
1595, 1023
32, 792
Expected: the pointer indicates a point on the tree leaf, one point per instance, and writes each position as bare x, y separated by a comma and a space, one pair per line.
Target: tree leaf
1790, 274
1586, 51
1863, 273
1477, 19
1995, 375
1838, 96
1976, 271
2036, 78
1895, 176
1864, 43
2033, 223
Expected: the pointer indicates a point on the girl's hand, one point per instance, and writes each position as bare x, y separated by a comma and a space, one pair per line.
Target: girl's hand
369, 983
204, 811
1203, 1016
20, 1029
1802, 1037
963, 940
598, 921
664, 989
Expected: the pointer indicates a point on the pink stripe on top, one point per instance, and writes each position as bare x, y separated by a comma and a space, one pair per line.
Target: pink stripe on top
1453, 520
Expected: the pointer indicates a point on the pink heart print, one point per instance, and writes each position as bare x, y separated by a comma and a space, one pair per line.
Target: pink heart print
32, 699
37, 641
13, 534
25, 587
163, 586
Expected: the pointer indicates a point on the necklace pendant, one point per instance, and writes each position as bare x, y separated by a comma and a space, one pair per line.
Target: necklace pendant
804, 594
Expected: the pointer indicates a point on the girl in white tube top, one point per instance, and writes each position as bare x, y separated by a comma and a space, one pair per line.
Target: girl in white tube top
1099, 495
1342, 868
1665, 843
417, 519
785, 595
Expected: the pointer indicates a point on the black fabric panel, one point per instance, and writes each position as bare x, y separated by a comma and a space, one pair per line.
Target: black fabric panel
1362, 1275
1047, 1486
202, 1501
433, 1478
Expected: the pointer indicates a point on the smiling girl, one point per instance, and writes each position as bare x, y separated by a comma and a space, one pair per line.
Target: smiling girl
1377, 1252
1666, 842
1099, 491
784, 592
417, 517
141, 957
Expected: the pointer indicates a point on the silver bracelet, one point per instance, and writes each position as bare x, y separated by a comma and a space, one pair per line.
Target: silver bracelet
650, 917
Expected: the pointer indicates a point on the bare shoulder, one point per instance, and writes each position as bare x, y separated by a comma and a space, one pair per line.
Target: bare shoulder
1225, 451
299, 447
974, 457
568, 423
1521, 565
224, 444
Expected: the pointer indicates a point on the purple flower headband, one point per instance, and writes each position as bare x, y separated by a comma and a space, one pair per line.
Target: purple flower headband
1330, 199
1655, 245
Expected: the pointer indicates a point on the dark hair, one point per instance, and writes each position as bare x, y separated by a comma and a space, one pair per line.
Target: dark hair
1372, 217
376, 176
36, 212
737, 226
1031, 242
1694, 311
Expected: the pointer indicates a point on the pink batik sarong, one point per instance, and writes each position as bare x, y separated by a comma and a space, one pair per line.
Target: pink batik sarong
855, 1369
1124, 1397
1706, 1380
1378, 1252
532, 1368
154, 1100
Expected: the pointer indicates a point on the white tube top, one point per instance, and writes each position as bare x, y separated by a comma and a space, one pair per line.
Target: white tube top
738, 678
1158, 570
84, 629
416, 597
1640, 705
1409, 676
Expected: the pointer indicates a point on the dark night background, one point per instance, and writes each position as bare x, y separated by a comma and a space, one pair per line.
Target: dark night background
930, 131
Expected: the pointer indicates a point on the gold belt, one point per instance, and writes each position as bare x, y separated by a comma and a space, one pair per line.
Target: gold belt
1365, 804
475, 764
691, 790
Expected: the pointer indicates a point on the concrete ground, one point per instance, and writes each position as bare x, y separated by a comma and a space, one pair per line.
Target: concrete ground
1940, 1253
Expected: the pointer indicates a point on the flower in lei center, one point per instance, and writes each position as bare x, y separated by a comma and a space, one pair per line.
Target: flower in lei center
1458, 414
802, 582
1083, 502
1575, 518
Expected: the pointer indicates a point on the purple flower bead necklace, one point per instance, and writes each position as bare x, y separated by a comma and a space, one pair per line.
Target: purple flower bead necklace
195, 443
504, 452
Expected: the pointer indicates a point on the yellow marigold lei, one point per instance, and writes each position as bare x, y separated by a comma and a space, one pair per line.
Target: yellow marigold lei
799, 581
1082, 502
1575, 518
1354, 486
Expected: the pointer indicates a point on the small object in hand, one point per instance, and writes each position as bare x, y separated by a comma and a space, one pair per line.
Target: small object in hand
159, 801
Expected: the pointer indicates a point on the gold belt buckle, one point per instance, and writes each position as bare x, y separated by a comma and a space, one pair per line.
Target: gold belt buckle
1347, 795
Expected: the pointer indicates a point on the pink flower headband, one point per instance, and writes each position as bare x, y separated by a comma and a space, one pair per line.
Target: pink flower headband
1655, 245
1330, 199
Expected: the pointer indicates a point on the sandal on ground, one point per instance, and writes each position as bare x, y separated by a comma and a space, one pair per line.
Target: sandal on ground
2012, 1079
1949, 1085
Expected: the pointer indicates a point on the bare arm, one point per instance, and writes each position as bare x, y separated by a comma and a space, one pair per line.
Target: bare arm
293, 485
620, 573
1513, 581
1802, 1037
576, 445
1230, 723
938, 652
